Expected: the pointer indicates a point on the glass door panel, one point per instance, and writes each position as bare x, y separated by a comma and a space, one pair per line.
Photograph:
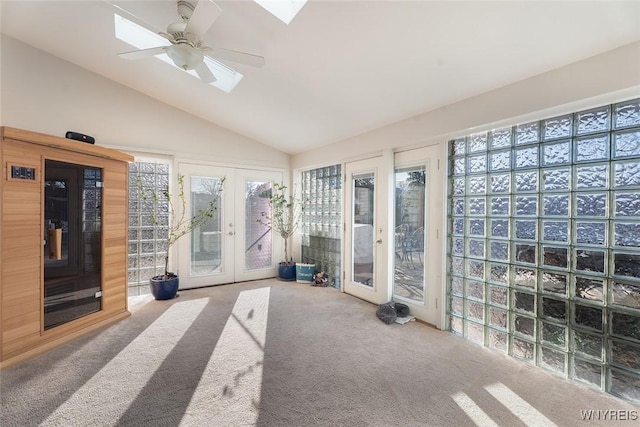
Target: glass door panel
362, 228
206, 239
258, 250
409, 233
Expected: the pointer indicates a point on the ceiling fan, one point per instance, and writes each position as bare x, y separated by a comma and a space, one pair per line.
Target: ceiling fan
187, 50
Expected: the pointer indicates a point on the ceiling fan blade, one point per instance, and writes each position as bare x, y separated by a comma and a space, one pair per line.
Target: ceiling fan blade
144, 53
205, 73
238, 57
204, 15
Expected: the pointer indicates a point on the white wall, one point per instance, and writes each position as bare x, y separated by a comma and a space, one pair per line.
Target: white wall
45, 94
606, 78
42, 93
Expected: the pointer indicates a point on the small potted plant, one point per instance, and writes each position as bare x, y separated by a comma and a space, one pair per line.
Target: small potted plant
283, 218
165, 286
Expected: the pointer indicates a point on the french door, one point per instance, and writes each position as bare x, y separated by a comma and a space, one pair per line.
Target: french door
233, 246
365, 266
393, 231
418, 247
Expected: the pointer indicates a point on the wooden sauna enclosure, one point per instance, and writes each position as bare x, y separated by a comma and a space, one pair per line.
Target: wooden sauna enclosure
63, 241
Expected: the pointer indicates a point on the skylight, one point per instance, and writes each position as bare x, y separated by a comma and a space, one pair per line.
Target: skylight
284, 10
142, 38
136, 35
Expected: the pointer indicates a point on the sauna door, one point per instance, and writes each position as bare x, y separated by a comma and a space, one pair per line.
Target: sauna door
72, 241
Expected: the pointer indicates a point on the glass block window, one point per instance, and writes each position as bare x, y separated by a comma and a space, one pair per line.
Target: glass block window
558, 283
145, 246
322, 220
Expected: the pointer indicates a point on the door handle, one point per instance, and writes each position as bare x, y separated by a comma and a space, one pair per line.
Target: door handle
231, 233
379, 241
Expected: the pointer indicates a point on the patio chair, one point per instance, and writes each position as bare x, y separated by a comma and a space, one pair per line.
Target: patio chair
415, 244
400, 243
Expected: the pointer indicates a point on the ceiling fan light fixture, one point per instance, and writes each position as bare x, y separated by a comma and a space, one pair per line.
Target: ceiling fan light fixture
185, 56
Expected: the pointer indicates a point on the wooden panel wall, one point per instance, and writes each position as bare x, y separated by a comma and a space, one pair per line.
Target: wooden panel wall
114, 237
21, 242
21, 255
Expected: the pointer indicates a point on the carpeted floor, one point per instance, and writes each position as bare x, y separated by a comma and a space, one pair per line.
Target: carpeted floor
269, 353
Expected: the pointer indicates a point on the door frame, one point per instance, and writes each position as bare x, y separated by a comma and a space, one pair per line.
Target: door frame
435, 228
380, 292
431, 158
183, 246
232, 231
244, 274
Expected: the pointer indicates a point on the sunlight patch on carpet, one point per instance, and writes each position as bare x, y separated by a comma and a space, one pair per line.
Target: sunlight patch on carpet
128, 372
228, 393
473, 411
519, 407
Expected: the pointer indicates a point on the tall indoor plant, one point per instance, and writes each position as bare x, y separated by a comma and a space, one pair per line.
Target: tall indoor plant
172, 213
283, 218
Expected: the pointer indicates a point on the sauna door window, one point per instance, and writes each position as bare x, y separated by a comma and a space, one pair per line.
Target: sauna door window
72, 241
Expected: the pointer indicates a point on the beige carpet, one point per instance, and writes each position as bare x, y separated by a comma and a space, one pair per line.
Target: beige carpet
269, 353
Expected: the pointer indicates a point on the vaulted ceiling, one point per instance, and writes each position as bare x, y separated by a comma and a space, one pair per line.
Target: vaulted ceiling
340, 68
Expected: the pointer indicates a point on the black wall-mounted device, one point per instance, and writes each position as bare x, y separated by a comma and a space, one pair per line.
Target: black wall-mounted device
80, 137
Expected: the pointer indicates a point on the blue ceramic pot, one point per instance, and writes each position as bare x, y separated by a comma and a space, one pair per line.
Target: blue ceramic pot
287, 271
162, 289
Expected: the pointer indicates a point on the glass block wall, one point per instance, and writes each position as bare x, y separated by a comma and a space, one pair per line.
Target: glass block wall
544, 244
322, 219
145, 250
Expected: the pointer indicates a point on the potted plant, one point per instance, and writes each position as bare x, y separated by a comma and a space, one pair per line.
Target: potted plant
283, 218
171, 213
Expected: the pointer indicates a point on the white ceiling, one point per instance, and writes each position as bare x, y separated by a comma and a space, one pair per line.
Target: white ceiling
341, 68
